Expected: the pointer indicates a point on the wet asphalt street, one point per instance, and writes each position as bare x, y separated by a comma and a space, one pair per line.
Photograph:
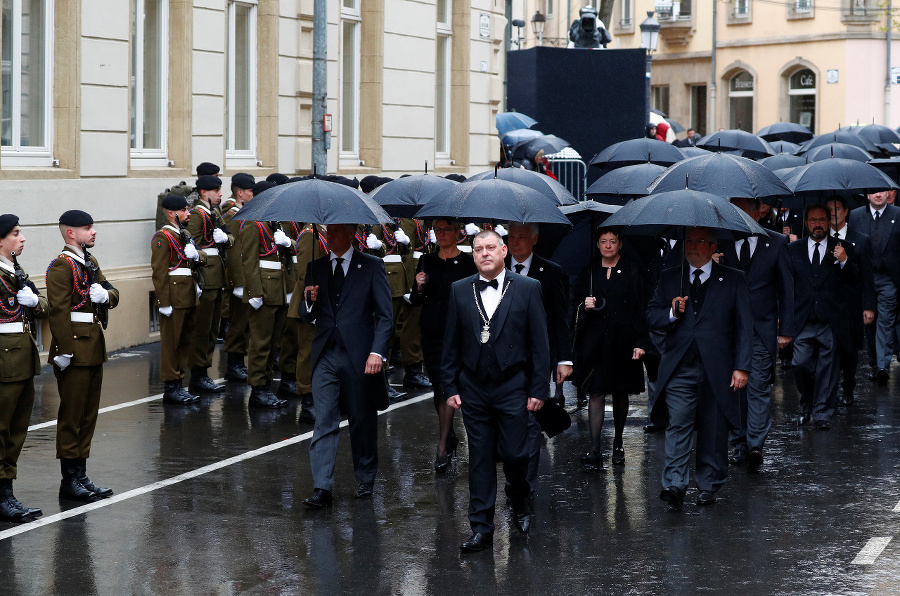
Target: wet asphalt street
209, 501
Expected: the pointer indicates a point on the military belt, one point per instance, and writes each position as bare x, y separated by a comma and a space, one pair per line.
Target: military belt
180, 272
393, 259
212, 252
270, 264
82, 317
17, 327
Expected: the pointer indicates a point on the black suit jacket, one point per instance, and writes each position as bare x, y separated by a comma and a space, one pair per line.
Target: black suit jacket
364, 316
862, 294
828, 292
722, 330
771, 283
794, 221
555, 293
861, 220
518, 334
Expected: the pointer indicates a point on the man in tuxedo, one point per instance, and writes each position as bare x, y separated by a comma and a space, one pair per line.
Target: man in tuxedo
349, 301
862, 296
496, 366
764, 261
521, 240
881, 223
704, 310
823, 276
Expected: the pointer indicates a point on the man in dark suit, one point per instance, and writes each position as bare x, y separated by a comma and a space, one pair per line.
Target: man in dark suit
704, 310
354, 323
521, 240
496, 366
881, 223
790, 223
764, 261
862, 296
823, 276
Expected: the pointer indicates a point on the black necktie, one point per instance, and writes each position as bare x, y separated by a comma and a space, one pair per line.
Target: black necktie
745, 255
483, 285
519, 267
817, 258
337, 281
697, 282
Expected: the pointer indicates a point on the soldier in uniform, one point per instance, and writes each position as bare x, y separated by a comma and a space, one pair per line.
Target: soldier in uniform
21, 362
205, 229
77, 350
235, 347
171, 260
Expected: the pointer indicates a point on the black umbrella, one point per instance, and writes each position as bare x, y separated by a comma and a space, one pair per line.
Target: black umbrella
723, 175
692, 151
842, 150
737, 140
535, 180
891, 167
528, 148
574, 251
635, 151
878, 134
493, 200
784, 147
888, 148
314, 201
840, 137
785, 131
783, 160
830, 177
517, 136
404, 197
507, 121
618, 186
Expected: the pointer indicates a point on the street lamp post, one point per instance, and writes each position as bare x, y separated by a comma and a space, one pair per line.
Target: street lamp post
649, 39
537, 26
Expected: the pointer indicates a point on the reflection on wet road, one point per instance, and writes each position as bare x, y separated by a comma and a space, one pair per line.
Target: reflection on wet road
209, 501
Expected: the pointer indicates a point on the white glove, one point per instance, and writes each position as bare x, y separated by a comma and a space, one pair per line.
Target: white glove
281, 238
373, 242
431, 237
165, 310
288, 297
220, 237
238, 291
406, 297
501, 230
99, 295
472, 229
199, 290
401, 236
62, 361
191, 252
27, 298
256, 303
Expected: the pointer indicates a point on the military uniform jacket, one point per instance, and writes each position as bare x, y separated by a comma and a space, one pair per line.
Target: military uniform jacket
170, 269
69, 297
201, 226
234, 269
308, 249
264, 273
19, 357
397, 259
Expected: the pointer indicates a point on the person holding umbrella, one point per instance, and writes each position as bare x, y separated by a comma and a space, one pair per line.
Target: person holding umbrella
611, 338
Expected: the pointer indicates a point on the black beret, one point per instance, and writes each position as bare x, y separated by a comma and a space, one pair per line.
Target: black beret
297, 179
242, 180
455, 177
262, 185
209, 182
207, 169
353, 183
75, 218
174, 203
369, 183
7, 222
277, 178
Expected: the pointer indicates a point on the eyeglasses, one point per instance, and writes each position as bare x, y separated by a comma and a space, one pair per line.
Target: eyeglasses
444, 230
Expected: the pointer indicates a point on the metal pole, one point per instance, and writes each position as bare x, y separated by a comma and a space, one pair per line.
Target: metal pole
887, 86
711, 126
320, 86
507, 39
647, 88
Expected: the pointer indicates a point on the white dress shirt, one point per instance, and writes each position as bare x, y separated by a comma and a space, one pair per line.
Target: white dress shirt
345, 264
705, 272
739, 243
527, 263
490, 297
873, 210
842, 233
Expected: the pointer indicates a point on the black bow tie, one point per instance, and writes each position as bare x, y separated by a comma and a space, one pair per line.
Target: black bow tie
483, 285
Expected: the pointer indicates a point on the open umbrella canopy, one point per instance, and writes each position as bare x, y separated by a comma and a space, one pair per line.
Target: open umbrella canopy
618, 186
404, 197
842, 150
543, 184
726, 176
314, 201
635, 151
737, 140
877, 134
546, 143
666, 213
783, 160
507, 121
785, 131
837, 176
891, 167
493, 200
573, 253
840, 137
784, 147
519, 135
692, 151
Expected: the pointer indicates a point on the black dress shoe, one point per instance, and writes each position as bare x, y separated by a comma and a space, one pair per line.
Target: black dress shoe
307, 415
11, 509
394, 395
100, 491
174, 393
523, 515
591, 462
364, 491
261, 397
823, 425
672, 495
802, 419
754, 460
653, 428
201, 383
882, 377
738, 457
321, 499
706, 497
414, 379
477, 542
846, 400
618, 455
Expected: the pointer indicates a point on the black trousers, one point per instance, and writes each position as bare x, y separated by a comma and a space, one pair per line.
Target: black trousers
496, 418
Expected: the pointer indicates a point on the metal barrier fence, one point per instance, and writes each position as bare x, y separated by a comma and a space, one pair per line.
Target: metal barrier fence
572, 173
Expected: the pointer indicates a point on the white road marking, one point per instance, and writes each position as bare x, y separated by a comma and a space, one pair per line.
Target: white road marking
51, 519
871, 550
897, 508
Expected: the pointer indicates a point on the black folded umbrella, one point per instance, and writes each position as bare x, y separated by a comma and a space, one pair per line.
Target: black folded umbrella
636, 151
404, 197
618, 186
493, 200
723, 175
535, 180
737, 140
785, 131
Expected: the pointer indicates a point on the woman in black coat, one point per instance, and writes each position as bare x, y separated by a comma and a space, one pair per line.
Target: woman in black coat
611, 337
435, 274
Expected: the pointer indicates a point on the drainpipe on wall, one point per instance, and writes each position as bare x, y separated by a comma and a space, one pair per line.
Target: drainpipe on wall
887, 86
712, 127
320, 87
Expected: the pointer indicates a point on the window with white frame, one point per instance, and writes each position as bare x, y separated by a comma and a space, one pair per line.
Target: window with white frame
351, 26
240, 84
149, 77
442, 82
627, 13
742, 8
803, 5
551, 9
27, 83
